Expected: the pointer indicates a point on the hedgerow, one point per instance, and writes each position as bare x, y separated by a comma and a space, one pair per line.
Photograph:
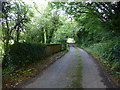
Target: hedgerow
109, 51
22, 54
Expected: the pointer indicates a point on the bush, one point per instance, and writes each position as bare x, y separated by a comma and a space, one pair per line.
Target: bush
116, 52
22, 54
116, 57
109, 51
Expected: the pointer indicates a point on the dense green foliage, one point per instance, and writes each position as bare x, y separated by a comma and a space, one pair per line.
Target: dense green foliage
67, 30
14, 17
22, 54
47, 24
25, 53
108, 51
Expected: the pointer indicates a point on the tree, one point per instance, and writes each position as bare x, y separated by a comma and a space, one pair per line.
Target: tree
44, 26
67, 30
14, 16
107, 12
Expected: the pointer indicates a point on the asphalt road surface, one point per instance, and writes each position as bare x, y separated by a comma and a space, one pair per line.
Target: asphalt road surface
59, 74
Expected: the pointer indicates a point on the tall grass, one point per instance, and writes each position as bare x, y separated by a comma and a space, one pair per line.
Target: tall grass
109, 51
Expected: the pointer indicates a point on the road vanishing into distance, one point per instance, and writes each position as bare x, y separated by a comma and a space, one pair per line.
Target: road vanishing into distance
62, 72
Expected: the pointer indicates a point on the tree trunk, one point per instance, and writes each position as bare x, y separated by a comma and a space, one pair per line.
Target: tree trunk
17, 34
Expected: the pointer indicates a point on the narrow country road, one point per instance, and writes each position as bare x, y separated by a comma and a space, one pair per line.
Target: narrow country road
60, 73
